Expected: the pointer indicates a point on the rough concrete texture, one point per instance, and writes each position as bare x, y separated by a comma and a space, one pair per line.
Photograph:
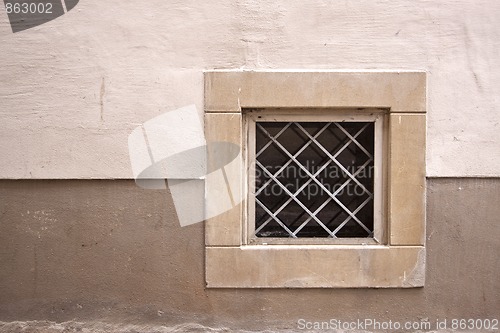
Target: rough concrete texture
74, 88
110, 251
97, 327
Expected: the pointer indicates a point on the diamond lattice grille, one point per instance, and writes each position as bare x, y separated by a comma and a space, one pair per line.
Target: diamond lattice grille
314, 179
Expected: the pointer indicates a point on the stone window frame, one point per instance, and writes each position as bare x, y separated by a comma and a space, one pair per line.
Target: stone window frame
398, 263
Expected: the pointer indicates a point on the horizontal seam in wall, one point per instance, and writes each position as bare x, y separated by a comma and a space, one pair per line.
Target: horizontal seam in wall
111, 179
464, 177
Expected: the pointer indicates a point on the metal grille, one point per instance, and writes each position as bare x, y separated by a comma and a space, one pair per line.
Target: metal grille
314, 179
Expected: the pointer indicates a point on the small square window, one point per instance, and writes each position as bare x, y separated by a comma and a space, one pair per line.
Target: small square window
317, 177
304, 136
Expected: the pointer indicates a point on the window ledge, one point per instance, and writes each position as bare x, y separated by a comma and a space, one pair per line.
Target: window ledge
281, 266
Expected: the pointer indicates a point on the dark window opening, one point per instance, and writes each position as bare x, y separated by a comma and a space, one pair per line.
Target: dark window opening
314, 179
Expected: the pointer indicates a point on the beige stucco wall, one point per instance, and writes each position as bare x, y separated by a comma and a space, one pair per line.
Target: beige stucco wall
72, 89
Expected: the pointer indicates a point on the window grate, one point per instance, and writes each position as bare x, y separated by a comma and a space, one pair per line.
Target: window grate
314, 179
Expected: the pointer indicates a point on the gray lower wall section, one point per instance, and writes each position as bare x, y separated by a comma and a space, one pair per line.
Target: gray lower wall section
108, 250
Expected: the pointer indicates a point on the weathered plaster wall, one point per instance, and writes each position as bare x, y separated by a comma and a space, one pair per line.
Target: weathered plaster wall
71, 90
91, 249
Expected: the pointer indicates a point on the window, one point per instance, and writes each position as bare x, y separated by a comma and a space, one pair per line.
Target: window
332, 175
313, 176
